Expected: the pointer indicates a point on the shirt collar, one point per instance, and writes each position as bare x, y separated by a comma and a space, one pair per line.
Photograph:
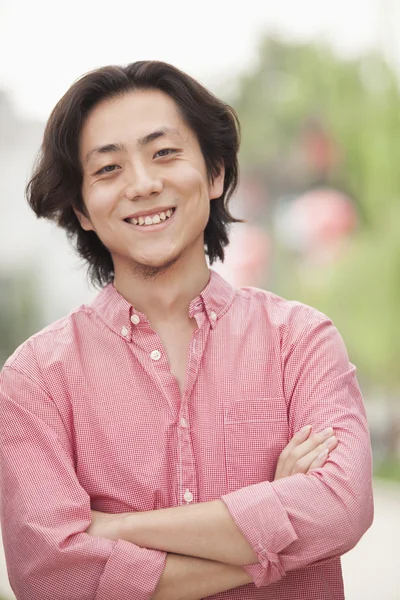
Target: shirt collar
120, 315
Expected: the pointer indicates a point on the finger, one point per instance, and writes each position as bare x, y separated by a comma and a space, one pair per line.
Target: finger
297, 455
320, 460
300, 446
310, 444
284, 465
299, 438
304, 464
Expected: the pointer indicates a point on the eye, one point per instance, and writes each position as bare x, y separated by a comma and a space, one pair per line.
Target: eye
107, 169
165, 152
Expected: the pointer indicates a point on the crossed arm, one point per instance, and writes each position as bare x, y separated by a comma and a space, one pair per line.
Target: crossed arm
205, 547
193, 568
49, 544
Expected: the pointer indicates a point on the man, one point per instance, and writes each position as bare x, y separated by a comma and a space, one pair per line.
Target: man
145, 438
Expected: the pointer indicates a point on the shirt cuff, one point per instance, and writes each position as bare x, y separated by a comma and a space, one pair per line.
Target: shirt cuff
264, 522
131, 572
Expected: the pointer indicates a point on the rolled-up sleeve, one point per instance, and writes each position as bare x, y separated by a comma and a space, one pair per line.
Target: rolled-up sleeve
45, 511
306, 518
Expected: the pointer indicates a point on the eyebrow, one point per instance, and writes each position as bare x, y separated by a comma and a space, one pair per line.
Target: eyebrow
141, 142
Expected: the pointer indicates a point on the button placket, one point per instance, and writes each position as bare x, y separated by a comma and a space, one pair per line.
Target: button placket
186, 464
188, 483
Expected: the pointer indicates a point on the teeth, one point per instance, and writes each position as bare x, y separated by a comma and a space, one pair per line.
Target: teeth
163, 216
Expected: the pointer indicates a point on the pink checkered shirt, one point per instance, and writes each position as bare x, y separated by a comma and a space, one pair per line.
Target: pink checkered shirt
91, 417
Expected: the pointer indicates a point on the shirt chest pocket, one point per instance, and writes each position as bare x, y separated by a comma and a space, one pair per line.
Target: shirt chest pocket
255, 433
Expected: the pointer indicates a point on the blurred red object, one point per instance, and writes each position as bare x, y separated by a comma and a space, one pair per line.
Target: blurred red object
247, 256
317, 224
325, 216
320, 150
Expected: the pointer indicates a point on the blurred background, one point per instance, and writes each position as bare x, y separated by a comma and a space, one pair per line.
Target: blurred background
316, 88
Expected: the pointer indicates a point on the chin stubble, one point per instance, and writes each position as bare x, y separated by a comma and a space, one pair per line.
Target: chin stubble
149, 272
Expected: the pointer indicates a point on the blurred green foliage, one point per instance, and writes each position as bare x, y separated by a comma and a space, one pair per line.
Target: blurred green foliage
388, 469
19, 311
358, 102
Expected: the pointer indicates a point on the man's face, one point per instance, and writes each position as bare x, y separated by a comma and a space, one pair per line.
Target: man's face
141, 161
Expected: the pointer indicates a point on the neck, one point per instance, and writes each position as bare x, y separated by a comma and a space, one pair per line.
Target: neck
165, 297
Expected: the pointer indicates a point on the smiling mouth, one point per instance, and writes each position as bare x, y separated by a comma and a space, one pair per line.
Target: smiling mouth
154, 219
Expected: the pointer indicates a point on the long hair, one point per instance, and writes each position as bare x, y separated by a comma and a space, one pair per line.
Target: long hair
55, 188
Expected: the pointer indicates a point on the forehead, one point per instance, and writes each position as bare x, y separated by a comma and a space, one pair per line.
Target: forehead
129, 117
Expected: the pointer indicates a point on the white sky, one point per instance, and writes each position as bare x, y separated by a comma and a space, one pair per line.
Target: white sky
45, 45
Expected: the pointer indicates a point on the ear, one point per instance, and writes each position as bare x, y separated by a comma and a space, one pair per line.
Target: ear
85, 222
217, 186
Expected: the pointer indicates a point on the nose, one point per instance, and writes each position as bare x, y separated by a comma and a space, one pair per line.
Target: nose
142, 182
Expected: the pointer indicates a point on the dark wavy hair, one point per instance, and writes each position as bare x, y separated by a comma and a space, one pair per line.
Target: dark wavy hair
55, 187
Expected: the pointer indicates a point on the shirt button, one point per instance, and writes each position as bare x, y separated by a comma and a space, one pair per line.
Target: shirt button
155, 355
124, 331
135, 319
188, 496
183, 422
213, 316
